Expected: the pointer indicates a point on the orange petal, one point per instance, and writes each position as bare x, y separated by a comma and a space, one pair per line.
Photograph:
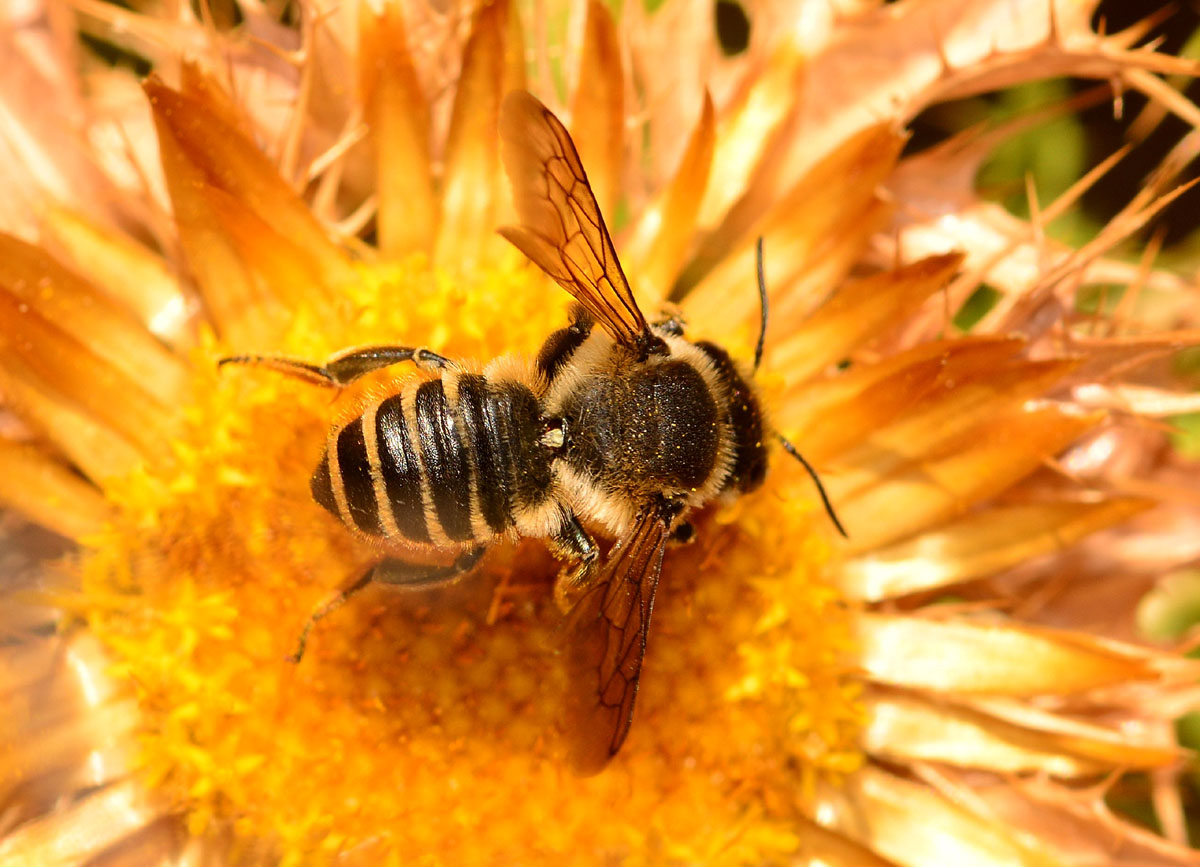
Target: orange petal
825, 207
805, 275
801, 222
34, 282
952, 409
985, 659
282, 276
1139, 400
980, 544
829, 414
100, 739
820, 845
730, 297
196, 132
912, 824
472, 183
97, 449
47, 492
1131, 735
1075, 821
124, 270
911, 728
196, 85
230, 293
860, 310
398, 118
932, 489
82, 830
751, 124
41, 356
657, 246
598, 108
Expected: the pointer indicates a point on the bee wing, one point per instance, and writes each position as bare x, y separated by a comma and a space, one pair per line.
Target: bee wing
561, 228
606, 635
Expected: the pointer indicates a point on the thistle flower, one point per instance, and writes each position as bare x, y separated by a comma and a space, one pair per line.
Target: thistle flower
957, 683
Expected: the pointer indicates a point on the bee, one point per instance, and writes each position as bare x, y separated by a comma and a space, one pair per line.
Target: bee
618, 423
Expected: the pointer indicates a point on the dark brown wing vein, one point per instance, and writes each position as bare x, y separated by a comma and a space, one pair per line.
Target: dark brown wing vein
561, 228
606, 635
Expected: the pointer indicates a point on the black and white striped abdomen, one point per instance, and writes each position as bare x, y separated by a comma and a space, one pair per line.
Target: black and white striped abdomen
441, 461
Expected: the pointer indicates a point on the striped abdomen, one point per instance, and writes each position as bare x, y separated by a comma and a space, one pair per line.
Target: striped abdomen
445, 460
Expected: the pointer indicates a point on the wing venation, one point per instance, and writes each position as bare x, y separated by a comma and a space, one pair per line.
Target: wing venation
606, 642
562, 229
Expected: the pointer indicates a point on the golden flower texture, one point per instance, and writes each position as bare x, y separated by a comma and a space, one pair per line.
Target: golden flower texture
959, 682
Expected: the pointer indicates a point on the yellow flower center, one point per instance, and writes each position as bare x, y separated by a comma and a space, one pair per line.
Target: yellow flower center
431, 722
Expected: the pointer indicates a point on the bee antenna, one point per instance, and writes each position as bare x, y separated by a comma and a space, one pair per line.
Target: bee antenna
762, 302
791, 450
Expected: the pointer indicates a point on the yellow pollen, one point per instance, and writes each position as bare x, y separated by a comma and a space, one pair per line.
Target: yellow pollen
430, 723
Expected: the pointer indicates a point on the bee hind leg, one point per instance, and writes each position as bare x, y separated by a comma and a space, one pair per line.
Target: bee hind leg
395, 572
288, 366
347, 366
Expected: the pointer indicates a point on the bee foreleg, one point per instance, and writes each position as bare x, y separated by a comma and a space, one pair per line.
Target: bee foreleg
387, 572
573, 542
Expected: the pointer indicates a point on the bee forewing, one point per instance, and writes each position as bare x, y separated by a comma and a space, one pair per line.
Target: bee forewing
562, 229
545, 255
606, 635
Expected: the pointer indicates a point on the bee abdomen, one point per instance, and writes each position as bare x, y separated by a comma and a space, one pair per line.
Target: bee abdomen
501, 425
370, 476
487, 436
446, 460
400, 469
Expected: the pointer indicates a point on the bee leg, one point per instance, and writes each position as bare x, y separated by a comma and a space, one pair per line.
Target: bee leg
573, 542
561, 344
343, 369
299, 369
387, 572
349, 366
413, 575
333, 603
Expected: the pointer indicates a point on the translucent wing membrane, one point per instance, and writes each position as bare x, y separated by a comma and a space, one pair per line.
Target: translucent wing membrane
561, 228
606, 642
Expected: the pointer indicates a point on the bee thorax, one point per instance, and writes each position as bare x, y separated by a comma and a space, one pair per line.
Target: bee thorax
656, 429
